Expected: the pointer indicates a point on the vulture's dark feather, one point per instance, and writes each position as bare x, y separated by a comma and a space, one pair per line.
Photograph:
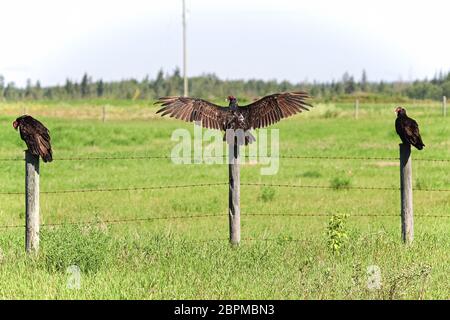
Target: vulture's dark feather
261, 113
36, 136
408, 129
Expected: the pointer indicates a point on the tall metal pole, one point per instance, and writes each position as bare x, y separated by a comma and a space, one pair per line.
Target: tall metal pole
186, 93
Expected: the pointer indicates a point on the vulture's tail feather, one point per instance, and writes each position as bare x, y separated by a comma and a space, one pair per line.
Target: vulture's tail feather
248, 139
47, 157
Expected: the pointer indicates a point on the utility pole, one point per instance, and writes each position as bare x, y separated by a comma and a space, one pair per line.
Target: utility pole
186, 93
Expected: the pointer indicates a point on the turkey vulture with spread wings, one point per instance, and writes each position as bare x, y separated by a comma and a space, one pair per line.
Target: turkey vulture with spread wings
408, 129
35, 135
259, 114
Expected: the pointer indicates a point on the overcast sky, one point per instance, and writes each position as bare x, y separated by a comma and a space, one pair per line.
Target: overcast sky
53, 40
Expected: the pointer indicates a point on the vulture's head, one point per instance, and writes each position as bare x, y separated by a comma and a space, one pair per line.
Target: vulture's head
16, 123
232, 100
400, 111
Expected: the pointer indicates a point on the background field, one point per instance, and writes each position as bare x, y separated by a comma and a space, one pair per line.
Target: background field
281, 257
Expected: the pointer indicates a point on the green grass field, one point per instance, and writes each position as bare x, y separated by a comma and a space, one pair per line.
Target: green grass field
280, 257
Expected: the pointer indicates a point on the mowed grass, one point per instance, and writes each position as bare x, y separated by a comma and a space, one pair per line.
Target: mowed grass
280, 257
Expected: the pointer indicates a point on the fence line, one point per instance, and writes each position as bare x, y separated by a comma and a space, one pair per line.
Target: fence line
357, 158
224, 156
123, 189
336, 188
133, 220
327, 215
231, 195
113, 221
221, 184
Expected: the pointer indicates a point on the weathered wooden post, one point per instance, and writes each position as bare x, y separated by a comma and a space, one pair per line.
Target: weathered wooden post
356, 109
31, 202
234, 210
104, 113
444, 106
407, 216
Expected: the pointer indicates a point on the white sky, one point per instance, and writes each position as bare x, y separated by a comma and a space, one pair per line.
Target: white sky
51, 40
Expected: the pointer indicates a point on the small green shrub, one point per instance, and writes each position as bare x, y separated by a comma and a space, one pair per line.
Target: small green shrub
267, 194
421, 184
89, 248
311, 174
340, 183
336, 232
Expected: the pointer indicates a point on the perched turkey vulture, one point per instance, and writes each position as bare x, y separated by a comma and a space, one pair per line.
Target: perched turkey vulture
408, 129
259, 114
35, 135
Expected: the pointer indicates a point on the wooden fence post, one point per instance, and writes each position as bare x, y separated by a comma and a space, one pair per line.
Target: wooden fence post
31, 202
444, 106
407, 216
356, 109
104, 113
234, 210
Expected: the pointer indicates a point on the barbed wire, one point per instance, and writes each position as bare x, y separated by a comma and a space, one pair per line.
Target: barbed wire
123, 189
210, 215
95, 158
329, 215
358, 158
113, 158
113, 221
222, 184
287, 239
333, 187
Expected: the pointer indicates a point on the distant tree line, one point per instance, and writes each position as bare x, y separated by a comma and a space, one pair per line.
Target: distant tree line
211, 87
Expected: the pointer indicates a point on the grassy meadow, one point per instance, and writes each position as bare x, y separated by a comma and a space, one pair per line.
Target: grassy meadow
280, 257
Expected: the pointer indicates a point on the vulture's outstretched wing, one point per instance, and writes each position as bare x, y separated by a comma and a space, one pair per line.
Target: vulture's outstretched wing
191, 109
37, 138
273, 108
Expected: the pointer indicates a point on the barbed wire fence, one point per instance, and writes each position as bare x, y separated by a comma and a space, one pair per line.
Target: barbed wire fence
218, 215
219, 184
313, 157
212, 215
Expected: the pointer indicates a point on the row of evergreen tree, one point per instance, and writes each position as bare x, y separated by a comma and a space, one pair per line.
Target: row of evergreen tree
211, 87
